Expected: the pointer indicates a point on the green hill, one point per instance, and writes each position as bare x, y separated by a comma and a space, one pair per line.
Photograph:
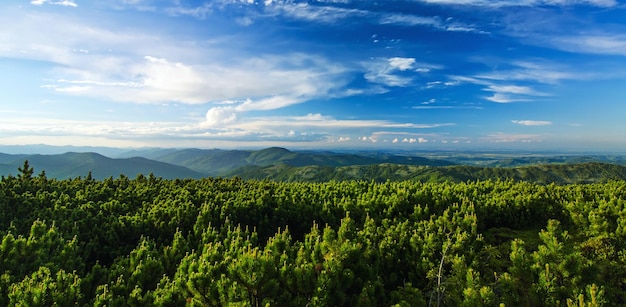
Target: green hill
7, 158
544, 174
280, 164
71, 165
216, 162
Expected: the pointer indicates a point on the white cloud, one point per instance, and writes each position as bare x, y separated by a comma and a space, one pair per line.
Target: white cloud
419, 140
265, 79
312, 117
200, 12
610, 44
394, 71
511, 89
73, 89
219, 116
318, 121
69, 3
61, 3
433, 84
226, 118
401, 63
512, 138
534, 71
142, 67
502, 93
319, 12
227, 102
271, 103
448, 24
510, 93
503, 98
506, 3
411, 20
570, 33
532, 122
133, 134
315, 13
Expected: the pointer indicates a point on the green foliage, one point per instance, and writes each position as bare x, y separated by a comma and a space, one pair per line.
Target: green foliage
149, 241
43, 288
431, 172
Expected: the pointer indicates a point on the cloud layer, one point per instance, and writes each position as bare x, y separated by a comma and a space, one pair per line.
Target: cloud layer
423, 74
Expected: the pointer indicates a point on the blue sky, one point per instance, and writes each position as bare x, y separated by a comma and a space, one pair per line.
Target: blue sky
344, 74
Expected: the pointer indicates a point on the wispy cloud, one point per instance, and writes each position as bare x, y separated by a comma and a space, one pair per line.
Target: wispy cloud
436, 22
609, 44
395, 71
511, 93
502, 93
410, 20
315, 124
566, 32
532, 122
512, 138
325, 12
255, 131
326, 122
519, 80
250, 11
506, 3
315, 13
200, 12
512, 89
427, 107
268, 80
69, 3
533, 70
138, 67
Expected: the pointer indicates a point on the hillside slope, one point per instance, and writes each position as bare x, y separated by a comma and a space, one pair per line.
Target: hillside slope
544, 174
71, 165
216, 162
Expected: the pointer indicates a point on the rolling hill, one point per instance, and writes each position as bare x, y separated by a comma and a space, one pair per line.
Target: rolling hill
192, 163
216, 162
544, 174
71, 165
283, 165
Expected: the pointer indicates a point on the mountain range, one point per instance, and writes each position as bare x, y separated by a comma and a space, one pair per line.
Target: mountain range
284, 165
72, 165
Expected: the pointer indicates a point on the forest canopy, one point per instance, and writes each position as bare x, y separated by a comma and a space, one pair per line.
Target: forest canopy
148, 241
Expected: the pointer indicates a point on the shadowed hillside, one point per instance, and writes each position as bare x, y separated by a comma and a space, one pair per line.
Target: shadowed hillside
216, 162
71, 165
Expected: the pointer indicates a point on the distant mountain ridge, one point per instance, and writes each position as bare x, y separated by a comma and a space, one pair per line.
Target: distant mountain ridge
217, 162
189, 163
72, 165
280, 164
